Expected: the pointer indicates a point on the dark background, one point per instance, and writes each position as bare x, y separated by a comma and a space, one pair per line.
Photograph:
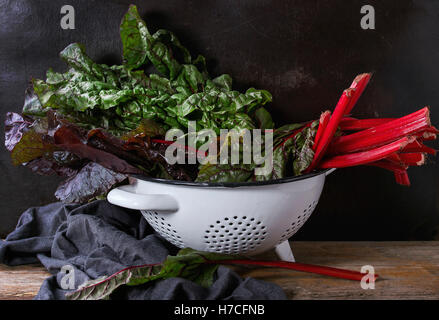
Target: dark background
304, 52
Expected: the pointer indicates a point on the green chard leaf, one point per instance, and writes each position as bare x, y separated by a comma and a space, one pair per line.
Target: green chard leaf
175, 47
32, 105
123, 101
292, 152
146, 128
263, 119
223, 82
117, 98
303, 153
280, 158
136, 39
162, 56
225, 172
74, 55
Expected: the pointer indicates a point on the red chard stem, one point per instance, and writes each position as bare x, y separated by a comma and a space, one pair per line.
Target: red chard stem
359, 158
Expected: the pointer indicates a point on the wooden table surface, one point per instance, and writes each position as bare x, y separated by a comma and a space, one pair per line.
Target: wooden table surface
408, 270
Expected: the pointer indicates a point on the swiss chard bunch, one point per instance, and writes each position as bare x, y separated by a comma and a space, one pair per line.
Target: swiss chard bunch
117, 97
95, 124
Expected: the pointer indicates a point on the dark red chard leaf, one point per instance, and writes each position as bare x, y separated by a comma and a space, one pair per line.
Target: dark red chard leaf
47, 167
15, 126
139, 151
25, 138
91, 181
155, 152
31, 146
100, 139
61, 163
69, 138
123, 156
54, 146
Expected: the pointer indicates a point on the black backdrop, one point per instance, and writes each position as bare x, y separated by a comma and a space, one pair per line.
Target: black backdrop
305, 52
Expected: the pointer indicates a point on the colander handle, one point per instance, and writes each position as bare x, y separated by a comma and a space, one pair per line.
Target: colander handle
127, 197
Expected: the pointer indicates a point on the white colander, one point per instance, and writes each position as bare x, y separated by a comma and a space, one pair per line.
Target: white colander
234, 218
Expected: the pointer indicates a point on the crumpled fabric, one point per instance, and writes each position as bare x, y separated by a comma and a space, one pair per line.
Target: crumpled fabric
98, 239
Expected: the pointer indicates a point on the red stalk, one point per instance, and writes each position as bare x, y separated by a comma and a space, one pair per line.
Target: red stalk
359, 158
327, 271
382, 134
432, 129
188, 148
395, 158
426, 136
416, 146
399, 170
352, 124
331, 128
347, 118
323, 123
413, 158
388, 165
402, 178
359, 84
407, 159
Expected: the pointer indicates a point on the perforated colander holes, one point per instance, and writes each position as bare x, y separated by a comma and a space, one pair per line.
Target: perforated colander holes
164, 228
235, 234
298, 222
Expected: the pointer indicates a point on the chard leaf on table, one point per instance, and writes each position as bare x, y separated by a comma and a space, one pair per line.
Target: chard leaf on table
188, 263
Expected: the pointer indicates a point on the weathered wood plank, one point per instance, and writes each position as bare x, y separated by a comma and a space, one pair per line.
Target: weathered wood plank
408, 270
21, 282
